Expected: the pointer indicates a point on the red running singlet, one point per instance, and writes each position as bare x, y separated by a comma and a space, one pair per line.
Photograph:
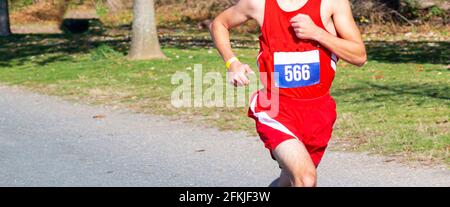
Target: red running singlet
299, 68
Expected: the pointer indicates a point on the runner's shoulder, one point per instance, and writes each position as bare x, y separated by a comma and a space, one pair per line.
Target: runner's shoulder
335, 5
251, 6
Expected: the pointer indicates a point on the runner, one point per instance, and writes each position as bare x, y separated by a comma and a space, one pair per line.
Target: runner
300, 44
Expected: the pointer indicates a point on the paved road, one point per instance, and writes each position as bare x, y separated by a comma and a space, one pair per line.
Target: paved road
45, 141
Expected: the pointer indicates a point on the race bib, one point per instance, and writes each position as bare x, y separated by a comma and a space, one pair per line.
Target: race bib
296, 69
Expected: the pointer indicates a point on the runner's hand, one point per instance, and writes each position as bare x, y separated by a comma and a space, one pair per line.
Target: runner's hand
304, 27
237, 74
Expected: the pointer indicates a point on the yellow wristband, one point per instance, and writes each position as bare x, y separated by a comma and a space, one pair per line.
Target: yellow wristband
231, 61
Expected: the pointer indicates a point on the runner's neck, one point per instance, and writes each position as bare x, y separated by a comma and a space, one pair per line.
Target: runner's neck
291, 5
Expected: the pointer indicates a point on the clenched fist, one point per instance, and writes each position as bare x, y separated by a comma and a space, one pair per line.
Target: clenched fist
304, 27
237, 74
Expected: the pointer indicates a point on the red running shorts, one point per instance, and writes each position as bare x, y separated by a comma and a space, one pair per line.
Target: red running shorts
308, 120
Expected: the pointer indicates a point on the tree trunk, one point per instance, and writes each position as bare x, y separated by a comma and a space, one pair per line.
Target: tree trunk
4, 18
145, 43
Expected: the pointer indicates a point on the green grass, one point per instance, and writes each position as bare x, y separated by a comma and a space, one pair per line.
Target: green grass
398, 104
395, 108
15, 5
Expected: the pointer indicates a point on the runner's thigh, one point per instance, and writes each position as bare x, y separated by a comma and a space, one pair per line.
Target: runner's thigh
293, 157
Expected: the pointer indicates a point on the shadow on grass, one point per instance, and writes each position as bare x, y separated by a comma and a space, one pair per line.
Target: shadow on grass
409, 52
21, 49
372, 92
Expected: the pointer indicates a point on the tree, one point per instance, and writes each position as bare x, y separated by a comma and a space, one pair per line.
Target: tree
4, 18
144, 43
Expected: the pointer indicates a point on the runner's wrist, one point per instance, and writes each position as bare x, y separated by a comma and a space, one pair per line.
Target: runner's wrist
320, 33
232, 62
234, 65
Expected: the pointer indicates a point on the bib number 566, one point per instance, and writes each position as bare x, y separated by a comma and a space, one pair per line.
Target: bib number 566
297, 72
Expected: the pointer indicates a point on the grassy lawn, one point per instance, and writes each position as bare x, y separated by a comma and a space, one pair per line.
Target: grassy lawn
398, 104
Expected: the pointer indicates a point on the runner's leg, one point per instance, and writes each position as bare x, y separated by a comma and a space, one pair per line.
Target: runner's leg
293, 157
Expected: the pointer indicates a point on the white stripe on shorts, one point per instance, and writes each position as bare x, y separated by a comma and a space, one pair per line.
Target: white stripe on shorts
265, 119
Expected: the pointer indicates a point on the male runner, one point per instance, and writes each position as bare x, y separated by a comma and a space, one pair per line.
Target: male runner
299, 46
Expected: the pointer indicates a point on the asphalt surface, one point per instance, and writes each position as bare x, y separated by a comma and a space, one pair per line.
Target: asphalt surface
45, 141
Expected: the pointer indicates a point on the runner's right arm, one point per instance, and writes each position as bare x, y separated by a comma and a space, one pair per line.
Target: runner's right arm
230, 18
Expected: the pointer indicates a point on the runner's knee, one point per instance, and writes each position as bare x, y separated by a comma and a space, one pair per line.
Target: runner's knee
305, 179
309, 180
